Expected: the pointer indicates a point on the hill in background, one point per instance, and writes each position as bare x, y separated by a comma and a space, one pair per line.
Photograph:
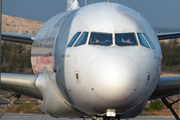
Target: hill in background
11, 24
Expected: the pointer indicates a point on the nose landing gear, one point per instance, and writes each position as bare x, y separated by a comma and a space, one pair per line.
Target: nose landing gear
117, 117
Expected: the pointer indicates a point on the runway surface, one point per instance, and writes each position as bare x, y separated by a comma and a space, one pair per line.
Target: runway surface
10, 116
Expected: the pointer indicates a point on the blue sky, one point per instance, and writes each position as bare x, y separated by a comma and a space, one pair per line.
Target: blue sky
159, 13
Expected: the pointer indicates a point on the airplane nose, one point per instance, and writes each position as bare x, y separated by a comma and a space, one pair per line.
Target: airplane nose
113, 78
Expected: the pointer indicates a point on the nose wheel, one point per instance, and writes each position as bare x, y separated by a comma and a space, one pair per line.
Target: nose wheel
118, 117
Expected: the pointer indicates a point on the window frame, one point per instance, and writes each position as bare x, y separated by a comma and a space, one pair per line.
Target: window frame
148, 41
102, 33
80, 37
75, 40
135, 35
144, 39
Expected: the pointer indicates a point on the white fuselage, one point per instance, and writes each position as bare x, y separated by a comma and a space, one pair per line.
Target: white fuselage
94, 78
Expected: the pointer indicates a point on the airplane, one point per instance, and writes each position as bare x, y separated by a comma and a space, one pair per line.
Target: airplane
102, 61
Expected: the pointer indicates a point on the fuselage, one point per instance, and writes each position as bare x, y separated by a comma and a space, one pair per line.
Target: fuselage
94, 77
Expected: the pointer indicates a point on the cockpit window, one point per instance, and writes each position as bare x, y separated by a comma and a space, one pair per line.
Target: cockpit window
82, 40
104, 39
125, 39
148, 39
73, 39
142, 40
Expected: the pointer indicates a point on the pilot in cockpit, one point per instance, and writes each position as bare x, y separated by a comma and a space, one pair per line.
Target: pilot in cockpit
126, 39
97, 41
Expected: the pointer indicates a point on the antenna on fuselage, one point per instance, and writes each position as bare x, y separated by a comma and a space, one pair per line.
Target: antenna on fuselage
85, 2
109, 3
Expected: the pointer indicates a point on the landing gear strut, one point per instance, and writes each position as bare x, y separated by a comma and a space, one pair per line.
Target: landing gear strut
11, 102
169, 105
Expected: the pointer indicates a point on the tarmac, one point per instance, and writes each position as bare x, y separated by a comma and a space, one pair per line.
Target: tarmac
11, 116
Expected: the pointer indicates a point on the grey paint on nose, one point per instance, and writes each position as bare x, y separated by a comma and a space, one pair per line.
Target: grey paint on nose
114, 77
